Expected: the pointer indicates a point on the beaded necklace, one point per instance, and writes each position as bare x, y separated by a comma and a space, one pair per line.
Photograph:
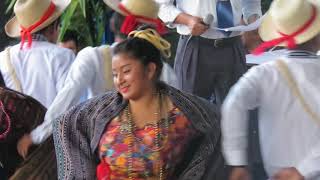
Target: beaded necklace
130, 135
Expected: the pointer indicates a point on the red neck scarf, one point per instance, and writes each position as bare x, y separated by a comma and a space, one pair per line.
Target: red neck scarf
26, 32
289, 39
131, 22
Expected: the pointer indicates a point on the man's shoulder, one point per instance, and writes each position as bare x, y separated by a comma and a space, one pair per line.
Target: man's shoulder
58, 49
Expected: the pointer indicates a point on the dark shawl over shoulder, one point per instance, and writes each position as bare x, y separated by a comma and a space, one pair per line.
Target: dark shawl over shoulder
77, 134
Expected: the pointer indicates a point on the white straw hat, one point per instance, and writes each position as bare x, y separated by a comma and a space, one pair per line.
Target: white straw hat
29, 12
290, 16
145, 8
137, 11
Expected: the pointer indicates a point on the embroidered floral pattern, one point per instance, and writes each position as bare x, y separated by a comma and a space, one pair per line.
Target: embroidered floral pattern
113, 148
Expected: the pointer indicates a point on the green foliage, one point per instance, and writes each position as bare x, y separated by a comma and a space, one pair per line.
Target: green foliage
10, 5
86, 17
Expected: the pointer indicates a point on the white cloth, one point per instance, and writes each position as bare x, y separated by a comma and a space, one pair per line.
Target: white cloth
288, 136
201, 8
265, 57
41, 70
86, 77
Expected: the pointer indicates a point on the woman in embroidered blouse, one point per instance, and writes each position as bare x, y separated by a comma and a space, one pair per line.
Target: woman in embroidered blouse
145, 130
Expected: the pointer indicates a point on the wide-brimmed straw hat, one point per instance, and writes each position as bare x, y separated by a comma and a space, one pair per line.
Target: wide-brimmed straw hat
30, 12
143, 11
145, 8
288, 23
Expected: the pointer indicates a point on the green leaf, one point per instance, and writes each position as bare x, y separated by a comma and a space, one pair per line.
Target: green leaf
83, 6
10, 6
66, 18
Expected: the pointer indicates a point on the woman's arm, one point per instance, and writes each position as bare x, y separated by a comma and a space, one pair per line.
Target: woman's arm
71, 134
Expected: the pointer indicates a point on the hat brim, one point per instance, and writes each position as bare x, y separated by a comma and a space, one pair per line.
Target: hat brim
267, 30
114, 4
12, 28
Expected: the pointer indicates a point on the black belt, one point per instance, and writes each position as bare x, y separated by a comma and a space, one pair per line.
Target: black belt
217, 43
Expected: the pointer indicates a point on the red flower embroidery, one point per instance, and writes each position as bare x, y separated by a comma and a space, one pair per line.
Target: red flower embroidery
103, 171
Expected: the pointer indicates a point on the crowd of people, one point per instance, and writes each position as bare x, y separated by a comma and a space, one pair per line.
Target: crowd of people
119, 111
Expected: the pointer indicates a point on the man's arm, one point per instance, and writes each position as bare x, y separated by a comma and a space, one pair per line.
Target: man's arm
169, 14
81, 74
244, 95
62, 62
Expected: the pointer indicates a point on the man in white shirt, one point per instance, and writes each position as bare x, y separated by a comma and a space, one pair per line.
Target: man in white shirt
91, 74
37, 66
286, 92
208, 61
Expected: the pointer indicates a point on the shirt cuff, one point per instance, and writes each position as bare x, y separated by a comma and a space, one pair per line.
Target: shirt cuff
41, 133
309, 170
236, 157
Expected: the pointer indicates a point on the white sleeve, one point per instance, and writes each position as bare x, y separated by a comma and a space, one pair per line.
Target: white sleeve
168, 75
310, 166
243, 96
167, 11
251, 7
81, 74
61, 66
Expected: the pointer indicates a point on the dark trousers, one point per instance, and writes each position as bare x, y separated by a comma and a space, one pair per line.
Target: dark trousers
208, 69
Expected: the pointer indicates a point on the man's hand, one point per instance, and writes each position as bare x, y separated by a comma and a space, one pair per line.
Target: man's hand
239, 173
197, 26
251, 40
23, 145
288, 174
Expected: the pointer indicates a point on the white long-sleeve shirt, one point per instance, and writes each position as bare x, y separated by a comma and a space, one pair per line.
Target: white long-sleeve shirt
201, 8
90, 75
289, 137
41, 71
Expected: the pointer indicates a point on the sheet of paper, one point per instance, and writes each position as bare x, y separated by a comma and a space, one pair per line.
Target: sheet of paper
243, 28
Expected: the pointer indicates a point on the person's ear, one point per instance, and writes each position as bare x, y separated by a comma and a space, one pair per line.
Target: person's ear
151, 70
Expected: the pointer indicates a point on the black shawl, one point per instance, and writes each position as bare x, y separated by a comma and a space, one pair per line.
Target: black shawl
77, 134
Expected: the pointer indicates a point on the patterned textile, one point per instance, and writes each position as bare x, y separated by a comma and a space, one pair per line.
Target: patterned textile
78, 132
114, 144
25, 114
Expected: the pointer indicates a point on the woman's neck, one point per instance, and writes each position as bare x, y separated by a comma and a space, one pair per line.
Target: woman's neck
147, 101
143, 109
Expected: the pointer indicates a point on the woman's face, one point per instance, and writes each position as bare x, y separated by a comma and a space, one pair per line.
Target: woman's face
130, 77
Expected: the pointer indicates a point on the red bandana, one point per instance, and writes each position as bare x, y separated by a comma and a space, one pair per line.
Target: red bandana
26, 32
131, 22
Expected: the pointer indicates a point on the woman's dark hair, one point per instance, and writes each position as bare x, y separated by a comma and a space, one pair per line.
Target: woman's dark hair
143, 51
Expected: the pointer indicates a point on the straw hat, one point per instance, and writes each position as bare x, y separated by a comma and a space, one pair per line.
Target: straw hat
28, 12
288, 17
145, 8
